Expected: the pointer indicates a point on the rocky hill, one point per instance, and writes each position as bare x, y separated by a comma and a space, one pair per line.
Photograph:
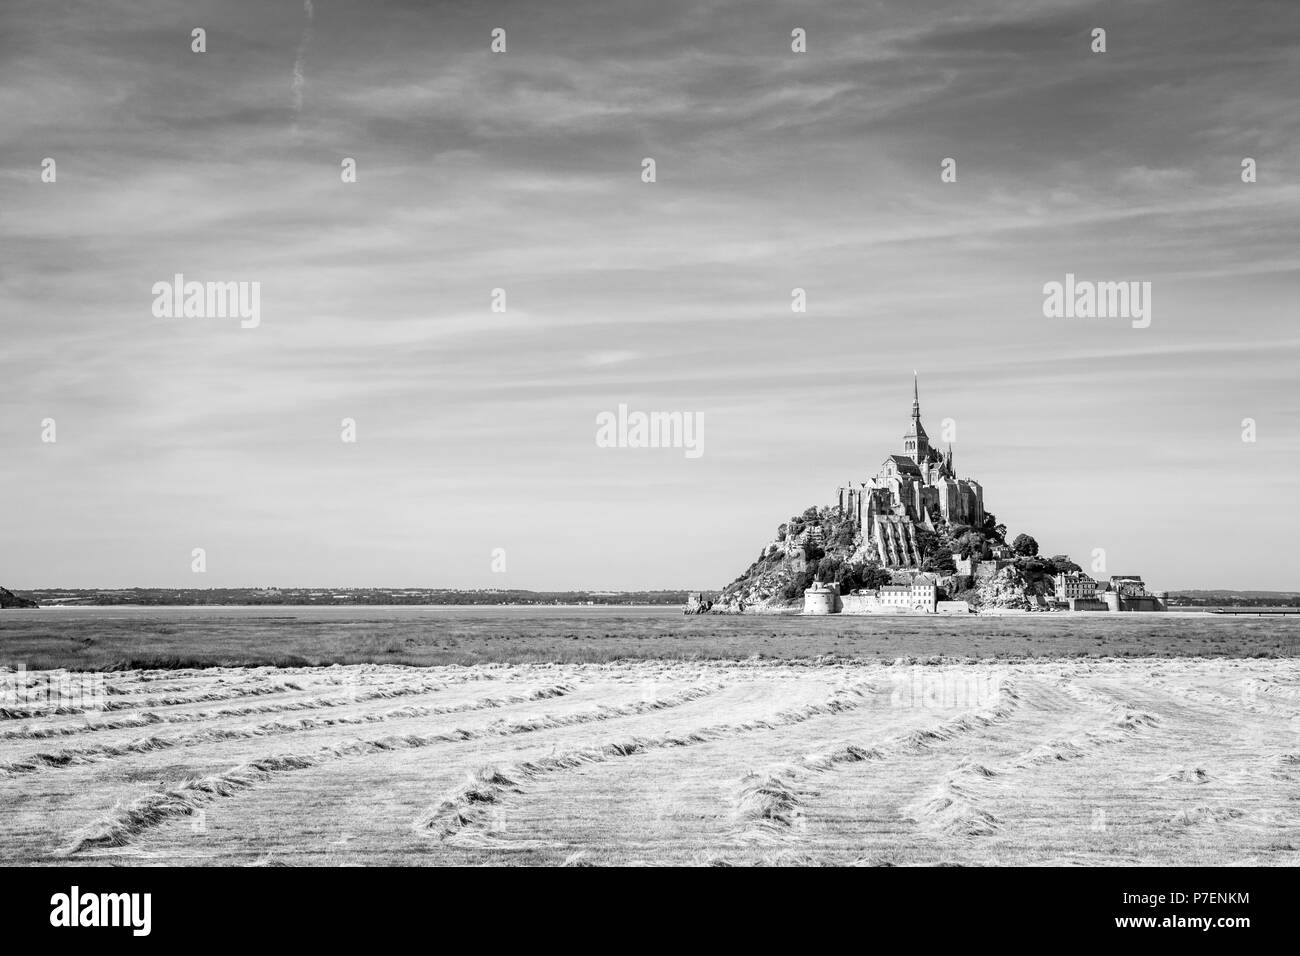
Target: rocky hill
820, 544
9, 599
1008, 590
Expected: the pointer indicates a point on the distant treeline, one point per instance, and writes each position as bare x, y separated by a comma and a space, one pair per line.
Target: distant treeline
1233, 600
326, 596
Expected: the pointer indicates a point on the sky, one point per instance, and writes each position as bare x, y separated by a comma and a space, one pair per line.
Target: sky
475, 462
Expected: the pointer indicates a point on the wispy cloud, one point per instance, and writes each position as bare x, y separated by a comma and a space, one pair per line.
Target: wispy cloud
300, 61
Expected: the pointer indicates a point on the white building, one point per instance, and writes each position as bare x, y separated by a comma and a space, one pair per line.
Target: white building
919, 597
1075, 584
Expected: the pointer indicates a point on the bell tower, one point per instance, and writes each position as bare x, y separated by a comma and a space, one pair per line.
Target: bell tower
916, 444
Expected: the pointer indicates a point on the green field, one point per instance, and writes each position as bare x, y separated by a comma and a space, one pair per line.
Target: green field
90, 639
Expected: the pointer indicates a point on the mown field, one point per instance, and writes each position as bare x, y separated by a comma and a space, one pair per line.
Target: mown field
840, 761
101, 638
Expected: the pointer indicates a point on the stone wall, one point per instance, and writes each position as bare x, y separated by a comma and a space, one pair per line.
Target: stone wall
987, 570
1087, 604
858, 603
952, 607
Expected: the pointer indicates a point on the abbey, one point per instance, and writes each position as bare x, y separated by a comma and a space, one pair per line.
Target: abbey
913, 489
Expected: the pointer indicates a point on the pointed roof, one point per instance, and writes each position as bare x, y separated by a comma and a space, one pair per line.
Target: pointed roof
904, 464
917, 428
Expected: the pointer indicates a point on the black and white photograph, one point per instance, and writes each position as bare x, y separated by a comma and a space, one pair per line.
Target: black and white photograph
704, 433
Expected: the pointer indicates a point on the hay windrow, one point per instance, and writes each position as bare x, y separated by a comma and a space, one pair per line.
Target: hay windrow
767, 803
1196, 775
232, 693
954, 808
127, 821
1204, 816
147, 718
82, 755
1004, 702
449, 817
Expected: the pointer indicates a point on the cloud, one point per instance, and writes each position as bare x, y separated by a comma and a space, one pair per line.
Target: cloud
300, 61
604, 359
521, 171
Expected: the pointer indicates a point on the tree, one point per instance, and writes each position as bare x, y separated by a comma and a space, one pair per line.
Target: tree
1033, 570
1025, 546
992, 530
971, 544
810, 514
927, 542
940, 563
843, 536
872, 576
798, 584
831, 569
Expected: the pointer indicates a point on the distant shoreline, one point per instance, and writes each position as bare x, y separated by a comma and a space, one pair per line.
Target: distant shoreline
341, 605
757, 615
346, 597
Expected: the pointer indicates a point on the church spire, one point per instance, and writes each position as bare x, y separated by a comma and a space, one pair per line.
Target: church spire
916, 444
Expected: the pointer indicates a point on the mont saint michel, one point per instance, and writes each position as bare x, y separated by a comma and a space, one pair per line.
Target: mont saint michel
357, 362
916, 538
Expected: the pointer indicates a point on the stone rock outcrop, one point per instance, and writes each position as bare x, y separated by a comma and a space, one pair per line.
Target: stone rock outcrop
775, 582
697, 603
1007, 591
9, 599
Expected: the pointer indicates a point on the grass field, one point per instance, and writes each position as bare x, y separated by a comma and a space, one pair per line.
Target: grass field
838, 761
92, 639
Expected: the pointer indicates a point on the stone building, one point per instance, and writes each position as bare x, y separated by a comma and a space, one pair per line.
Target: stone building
918, 597
822, 598
1128, 585
1127, 592
907, 492
1075, 584
981, 569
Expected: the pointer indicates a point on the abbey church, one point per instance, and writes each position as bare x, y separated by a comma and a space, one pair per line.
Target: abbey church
914, 488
